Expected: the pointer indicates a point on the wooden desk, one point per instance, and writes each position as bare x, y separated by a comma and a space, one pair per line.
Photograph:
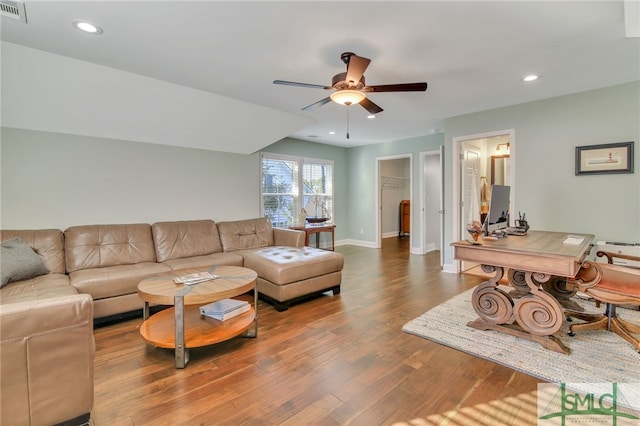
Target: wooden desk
538, 264
316, 229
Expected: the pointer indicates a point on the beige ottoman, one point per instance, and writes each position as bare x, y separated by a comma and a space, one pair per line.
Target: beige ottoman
288, 274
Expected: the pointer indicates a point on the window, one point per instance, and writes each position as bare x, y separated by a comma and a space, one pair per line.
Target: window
289, 184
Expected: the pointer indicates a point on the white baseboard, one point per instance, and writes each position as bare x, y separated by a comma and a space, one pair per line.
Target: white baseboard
451, 268
350, 242
430, 247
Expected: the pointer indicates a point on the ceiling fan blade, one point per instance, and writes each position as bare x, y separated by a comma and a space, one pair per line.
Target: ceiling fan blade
317, 104
405, 87
293, 83
355, 69
370, 106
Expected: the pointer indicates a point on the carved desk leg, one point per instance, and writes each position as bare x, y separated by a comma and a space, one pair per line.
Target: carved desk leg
540, 314
535, 315
492, 305
518, 282
557, 286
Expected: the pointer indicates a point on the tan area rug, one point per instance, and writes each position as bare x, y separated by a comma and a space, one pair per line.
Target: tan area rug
596, 356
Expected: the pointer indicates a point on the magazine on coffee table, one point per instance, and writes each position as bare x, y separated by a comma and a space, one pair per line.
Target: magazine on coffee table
196, 278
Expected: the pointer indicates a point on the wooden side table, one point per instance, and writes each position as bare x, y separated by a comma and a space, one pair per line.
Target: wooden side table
316, 229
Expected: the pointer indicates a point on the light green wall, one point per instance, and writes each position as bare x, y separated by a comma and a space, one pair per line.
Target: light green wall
53, 180
57, 180
363, 185
546, 134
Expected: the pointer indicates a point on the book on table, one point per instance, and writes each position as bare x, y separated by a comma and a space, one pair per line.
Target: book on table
225, 308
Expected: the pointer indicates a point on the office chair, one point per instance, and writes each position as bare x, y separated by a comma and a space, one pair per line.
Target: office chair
611, 284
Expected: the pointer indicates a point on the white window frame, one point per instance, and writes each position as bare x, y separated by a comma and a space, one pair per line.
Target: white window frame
299, 197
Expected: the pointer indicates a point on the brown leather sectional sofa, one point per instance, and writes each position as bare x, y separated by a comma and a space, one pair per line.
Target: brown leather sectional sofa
46, 322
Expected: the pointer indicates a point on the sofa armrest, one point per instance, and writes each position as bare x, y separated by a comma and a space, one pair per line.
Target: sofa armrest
288, 237
47, 353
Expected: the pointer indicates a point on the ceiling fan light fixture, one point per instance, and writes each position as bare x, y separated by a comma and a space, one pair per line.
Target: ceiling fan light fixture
347, 97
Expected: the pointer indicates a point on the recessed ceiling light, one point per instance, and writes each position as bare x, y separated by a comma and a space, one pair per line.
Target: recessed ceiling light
332, 133
371, 116
87, 27
531, 77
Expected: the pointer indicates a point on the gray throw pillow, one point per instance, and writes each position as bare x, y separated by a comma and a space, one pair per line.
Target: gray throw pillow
18, 261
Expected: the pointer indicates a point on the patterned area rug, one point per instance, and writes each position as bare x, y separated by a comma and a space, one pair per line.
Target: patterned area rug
596, 356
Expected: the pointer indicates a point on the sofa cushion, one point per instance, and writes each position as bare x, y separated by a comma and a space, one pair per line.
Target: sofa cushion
48, 243
19, 262
284, 265
177, 240
229, 259
38, 288
97, 246
112, 281
246, 234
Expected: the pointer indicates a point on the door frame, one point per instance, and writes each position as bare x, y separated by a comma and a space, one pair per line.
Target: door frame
379, 196
423, 213
456, 152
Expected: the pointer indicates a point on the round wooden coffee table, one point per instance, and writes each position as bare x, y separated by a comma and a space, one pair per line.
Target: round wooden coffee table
182, 326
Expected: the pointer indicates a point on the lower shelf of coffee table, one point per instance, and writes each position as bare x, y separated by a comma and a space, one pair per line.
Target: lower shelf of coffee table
199, 330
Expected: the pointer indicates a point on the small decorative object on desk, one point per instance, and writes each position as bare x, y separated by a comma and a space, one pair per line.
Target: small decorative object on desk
196, 278
522, 221
474, 229
225, 309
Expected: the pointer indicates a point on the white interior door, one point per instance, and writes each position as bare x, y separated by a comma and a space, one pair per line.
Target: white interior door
471, 160
432, 202
470, 184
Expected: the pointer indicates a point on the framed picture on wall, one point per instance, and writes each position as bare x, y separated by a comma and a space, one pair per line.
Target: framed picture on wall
604, 159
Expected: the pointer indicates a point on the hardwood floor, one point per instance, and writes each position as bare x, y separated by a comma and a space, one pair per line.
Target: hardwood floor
333, 360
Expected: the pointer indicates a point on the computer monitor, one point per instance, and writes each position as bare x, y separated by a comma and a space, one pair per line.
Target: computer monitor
498, 217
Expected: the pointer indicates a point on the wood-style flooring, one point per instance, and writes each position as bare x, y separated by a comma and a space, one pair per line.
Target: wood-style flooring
333, 360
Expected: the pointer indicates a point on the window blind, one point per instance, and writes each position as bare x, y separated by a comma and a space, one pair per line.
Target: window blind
289, 184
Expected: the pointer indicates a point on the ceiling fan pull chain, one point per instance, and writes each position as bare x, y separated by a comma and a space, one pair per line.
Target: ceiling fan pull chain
348, 105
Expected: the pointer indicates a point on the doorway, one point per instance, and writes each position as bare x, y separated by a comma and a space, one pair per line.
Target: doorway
432, 202
472, 166
394, 194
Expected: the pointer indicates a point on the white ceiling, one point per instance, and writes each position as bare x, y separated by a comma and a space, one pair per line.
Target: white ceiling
472, 54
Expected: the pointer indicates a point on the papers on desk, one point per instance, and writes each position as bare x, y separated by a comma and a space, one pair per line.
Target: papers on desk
573, 240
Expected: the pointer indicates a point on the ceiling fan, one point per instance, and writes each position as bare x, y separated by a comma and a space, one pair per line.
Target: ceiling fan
350, 88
